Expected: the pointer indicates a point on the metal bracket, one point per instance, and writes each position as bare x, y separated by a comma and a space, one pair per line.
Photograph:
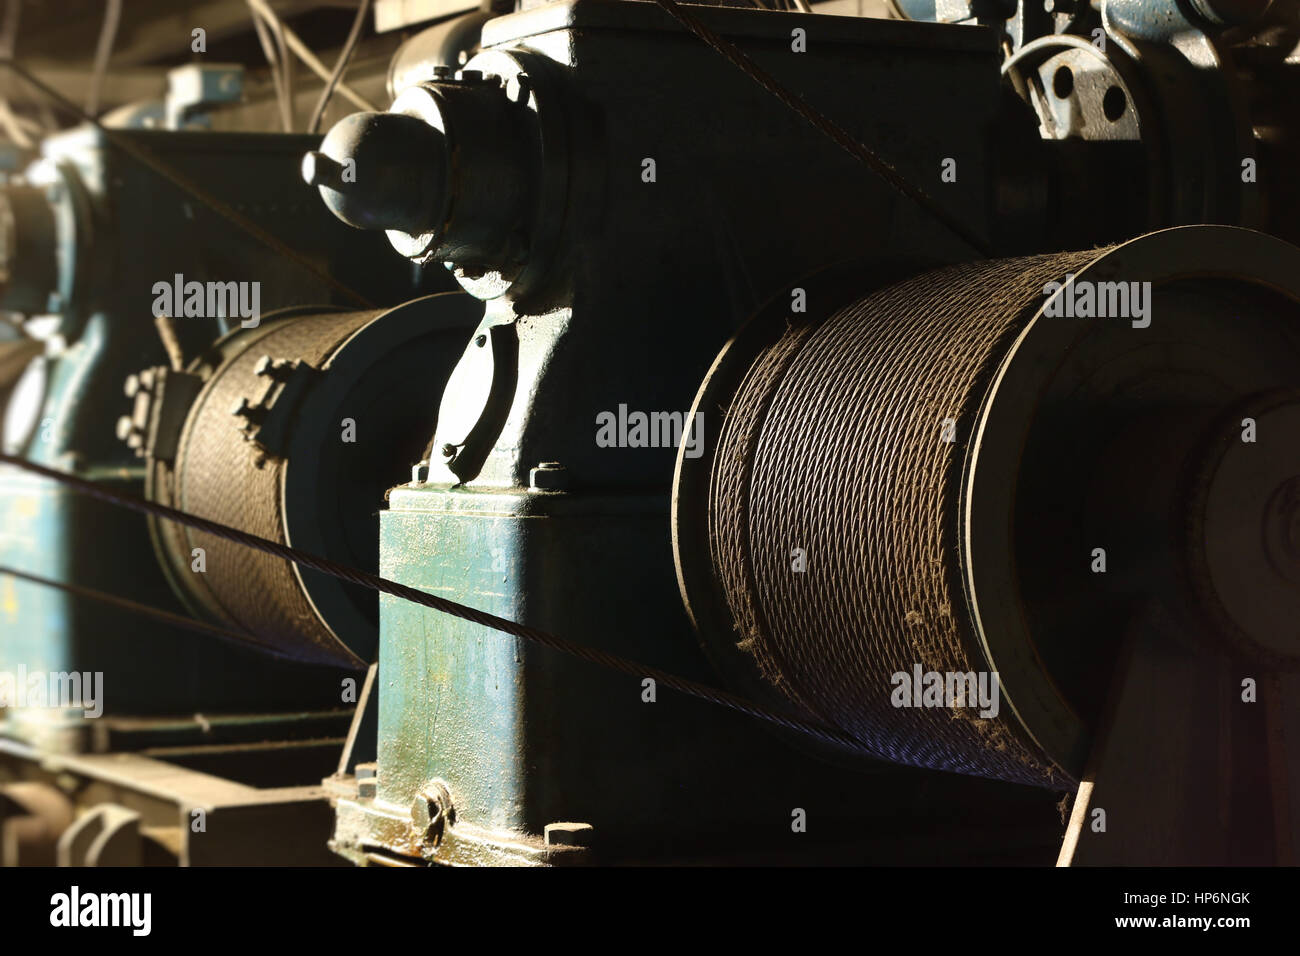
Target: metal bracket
268, 422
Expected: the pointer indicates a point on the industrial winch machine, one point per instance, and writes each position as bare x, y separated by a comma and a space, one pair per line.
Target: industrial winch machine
668, 433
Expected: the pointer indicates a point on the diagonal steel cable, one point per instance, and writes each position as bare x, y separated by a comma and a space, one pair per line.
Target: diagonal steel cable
135, 607
825, 125
443, 605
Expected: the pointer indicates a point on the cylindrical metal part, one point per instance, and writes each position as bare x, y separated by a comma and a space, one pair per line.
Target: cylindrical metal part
897, 528
450, 43
297, 430
29, 268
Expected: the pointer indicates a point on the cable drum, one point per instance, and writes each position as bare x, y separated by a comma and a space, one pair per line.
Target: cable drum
837, 445
219, 473
358, 393
902, 485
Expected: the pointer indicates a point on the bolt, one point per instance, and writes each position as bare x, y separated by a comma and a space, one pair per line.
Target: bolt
420, 472
321, 170
518, 88
125, 428
568, 834
431, 813
132, 385
367, 775
469, 76
442, 72
278, 369
548, 476
245, 409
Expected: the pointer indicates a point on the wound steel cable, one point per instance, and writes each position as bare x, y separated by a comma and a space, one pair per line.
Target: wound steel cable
834, 443
184, 183
443, 605
825, 125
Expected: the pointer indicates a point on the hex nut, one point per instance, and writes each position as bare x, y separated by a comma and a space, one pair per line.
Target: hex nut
432, 813
548, 476
568, 834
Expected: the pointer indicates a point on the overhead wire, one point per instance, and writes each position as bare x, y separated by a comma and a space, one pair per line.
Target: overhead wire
103, 51
340, 67
265, 40
305, 54
286, 70
10, 122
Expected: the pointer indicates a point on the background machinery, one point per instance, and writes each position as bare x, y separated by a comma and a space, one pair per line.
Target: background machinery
787, 357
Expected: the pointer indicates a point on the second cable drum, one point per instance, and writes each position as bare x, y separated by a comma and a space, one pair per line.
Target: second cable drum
293, 431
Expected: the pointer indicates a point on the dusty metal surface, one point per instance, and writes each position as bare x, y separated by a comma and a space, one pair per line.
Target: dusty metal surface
164, 813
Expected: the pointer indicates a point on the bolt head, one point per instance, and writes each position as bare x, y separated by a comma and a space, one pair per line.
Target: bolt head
431, 813
518, 88
367, 775
548, 476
